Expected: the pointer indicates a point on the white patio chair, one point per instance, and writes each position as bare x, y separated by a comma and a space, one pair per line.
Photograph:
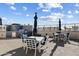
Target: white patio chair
59, 36
67, 37
23, 40
55, 36
64, 36
31, 43
45, 40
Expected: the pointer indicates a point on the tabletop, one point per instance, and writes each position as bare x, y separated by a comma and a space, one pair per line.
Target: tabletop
37, 38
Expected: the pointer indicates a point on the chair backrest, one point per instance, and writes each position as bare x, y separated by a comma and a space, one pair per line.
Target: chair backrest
55, 35
31, 43
24, 36
68, 35
45, 38
62, 35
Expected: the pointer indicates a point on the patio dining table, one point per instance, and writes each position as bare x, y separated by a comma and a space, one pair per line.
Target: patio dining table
37, 38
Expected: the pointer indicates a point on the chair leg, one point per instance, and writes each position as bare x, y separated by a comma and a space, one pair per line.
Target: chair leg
24, 46
35, 52
46, 42
26, 50
39, 50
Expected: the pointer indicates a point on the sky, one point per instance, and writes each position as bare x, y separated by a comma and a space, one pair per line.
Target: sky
48, 13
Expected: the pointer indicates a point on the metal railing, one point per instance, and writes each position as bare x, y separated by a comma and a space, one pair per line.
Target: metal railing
65, 27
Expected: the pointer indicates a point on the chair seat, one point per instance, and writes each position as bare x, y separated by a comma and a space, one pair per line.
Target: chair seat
43, 41
62, 35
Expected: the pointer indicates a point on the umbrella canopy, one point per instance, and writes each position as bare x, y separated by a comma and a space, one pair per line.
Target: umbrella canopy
35, 24
59, 24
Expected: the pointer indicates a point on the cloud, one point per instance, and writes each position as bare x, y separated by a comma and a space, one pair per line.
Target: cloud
24, 8
17, 13
46, 17
54, 5
76, 11
13, 8
49, 6
9, 4
58, 14
45, 10
70, 16
77, 4
27, 14
69, 12
12, 3
4, 18
8, 21
52, 17
41, 5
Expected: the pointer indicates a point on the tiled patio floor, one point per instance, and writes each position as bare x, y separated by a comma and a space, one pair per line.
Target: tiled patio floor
13, 47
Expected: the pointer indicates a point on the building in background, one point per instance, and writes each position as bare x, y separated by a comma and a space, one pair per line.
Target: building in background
15, 27
16, 30
2, 31
12, 30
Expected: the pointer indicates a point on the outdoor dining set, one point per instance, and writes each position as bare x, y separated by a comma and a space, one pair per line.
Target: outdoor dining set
61, 36
36, 42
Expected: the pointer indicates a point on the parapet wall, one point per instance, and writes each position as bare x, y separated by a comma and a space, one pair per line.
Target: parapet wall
74, 35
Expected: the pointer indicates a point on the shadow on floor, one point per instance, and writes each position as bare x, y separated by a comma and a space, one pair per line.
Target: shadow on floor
58, 43
51, 40
21, 52
74, 44
53, 50
32, 51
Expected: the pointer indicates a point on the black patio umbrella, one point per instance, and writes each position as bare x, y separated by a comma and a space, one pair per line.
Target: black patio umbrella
59, 24
0, 21
35, 24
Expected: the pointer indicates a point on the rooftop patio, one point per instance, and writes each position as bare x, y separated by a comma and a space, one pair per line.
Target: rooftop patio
13, 47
